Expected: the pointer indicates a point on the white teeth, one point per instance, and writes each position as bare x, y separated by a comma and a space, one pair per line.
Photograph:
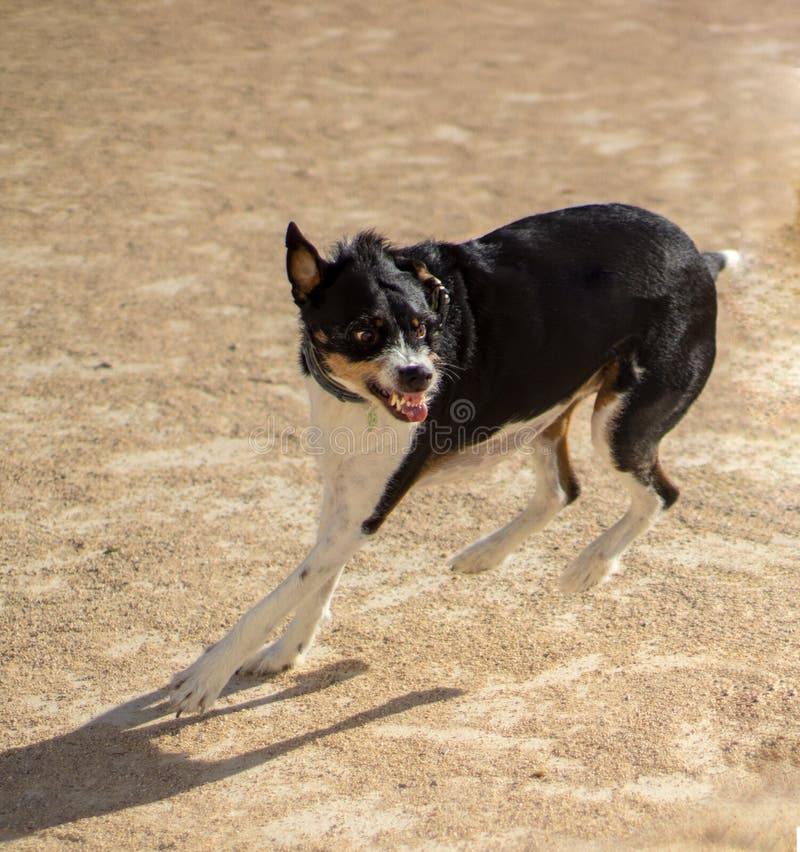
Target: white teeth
396, 401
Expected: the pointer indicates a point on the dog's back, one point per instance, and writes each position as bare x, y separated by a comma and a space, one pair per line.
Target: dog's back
547, 300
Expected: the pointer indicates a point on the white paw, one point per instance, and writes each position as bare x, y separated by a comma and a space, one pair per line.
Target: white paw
197, 688
476, 558
586, 571
271, 660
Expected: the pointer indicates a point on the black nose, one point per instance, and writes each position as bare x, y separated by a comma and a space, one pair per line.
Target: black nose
415, 377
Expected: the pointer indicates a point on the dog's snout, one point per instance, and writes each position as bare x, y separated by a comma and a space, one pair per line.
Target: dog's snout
415, 377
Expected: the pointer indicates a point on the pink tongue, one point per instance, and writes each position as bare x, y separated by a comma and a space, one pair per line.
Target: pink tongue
416, 414
414, 408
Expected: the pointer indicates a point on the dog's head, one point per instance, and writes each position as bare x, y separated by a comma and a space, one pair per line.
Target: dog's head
367, 314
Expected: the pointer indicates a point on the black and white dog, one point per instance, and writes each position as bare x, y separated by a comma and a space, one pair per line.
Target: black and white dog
431, 356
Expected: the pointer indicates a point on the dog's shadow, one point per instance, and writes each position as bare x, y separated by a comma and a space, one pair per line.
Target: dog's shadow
112, 763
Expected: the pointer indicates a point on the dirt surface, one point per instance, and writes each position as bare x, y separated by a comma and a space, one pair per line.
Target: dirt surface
151, 155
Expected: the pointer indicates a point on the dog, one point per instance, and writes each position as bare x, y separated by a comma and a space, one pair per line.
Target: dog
429, 358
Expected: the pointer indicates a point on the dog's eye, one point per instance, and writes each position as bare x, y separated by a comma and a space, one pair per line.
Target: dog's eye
366, 336
421, 330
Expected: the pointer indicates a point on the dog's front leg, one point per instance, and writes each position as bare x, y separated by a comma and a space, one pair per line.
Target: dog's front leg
360, 480
341, 510
199, 686
295, 643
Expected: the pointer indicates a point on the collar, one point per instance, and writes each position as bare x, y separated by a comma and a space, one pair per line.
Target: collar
323, 378
440, 303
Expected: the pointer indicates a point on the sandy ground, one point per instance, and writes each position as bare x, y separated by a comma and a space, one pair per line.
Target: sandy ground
151, 154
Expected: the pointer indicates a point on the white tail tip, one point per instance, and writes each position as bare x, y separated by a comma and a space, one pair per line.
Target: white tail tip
732, 258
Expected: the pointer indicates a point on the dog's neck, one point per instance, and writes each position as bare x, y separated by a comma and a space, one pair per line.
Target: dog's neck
323, 378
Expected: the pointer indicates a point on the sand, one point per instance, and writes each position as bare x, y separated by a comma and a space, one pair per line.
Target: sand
151, 156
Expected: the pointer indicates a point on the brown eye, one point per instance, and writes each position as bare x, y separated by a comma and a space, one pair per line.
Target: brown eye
421, 330
366, 337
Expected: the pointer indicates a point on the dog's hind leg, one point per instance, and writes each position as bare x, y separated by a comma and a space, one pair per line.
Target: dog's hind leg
556, 487
633, 411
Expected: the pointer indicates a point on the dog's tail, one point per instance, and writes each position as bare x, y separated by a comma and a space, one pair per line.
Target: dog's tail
716, 261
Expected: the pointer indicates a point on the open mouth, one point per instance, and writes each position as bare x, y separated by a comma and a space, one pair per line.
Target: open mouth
410, 407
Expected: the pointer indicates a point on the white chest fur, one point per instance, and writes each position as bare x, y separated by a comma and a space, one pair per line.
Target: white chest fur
358, 448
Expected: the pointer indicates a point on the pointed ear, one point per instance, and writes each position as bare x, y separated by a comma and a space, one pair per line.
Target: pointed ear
418, 268
304, 266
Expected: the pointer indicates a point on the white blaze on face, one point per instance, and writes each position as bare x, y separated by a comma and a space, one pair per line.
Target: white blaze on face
399, 356
406, 405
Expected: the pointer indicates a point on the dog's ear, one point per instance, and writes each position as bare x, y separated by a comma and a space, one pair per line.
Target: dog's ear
418, 268
304, 266
415, 267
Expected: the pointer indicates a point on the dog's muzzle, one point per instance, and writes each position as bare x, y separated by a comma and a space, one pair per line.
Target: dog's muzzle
415, 378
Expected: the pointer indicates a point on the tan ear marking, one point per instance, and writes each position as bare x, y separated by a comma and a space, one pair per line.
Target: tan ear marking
424, 274
303, 264
303, 269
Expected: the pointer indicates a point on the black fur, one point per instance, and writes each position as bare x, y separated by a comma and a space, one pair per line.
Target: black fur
537, 308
